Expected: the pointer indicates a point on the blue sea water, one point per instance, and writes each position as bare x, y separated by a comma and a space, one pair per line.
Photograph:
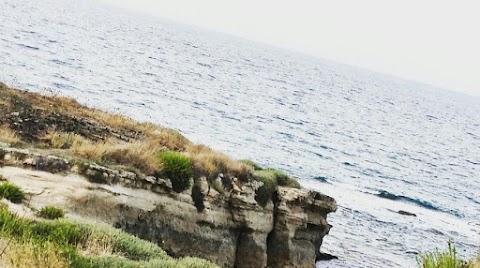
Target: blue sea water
376, 143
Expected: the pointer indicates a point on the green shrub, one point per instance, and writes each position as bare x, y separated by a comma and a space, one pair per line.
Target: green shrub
130, 246
60, 232
192, 262
254, 165
11, 192
265, 192
284, 180
442, 259
276, 176
51, 213
176, 167
11, 224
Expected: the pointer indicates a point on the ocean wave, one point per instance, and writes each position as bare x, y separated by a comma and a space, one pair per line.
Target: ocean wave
418, 202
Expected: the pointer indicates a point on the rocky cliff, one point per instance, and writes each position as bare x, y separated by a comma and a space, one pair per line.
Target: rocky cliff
232, 229
153, 182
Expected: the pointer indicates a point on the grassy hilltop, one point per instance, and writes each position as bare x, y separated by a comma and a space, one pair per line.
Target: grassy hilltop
60, 126
70, 129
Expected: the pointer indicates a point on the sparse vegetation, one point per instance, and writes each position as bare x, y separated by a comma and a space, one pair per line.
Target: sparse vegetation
61, 140
51, 213
271, 178
209, 163
254, 165
11, 192
76, 131
61, 243
25, 254
445, 259
7, 135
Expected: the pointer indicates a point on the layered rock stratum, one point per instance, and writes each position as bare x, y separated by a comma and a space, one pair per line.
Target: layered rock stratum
109, 168
232, 230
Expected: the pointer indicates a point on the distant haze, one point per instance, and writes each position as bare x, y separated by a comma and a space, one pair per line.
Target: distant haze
431, 41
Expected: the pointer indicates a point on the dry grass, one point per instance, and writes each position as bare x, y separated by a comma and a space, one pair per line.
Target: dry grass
96, 245
62, 140
53, 103
30, 254
476, 263
210, 163
143, 153
5, 104
139, 154
7, 135
93, 150
113, 139
167, 138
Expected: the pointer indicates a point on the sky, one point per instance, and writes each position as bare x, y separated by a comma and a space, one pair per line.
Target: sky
431, 41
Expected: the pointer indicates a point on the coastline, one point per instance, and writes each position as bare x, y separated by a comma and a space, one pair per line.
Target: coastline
227, 205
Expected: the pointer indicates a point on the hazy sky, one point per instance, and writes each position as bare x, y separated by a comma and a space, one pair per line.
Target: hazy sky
432, 41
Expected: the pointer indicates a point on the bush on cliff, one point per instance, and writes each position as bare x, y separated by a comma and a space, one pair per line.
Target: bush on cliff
254, 165
51, 213
209, 163
176, 167
11, 192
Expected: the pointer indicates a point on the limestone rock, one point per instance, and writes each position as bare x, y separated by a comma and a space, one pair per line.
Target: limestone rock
232, 230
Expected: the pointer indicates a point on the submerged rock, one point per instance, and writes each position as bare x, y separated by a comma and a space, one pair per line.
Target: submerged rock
406, 213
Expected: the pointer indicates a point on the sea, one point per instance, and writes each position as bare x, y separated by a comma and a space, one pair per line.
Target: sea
376, 143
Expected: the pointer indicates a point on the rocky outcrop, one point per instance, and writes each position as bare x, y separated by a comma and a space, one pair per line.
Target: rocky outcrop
300, 225
225, 225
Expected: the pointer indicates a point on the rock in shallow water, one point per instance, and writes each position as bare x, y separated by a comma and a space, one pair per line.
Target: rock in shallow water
406, 213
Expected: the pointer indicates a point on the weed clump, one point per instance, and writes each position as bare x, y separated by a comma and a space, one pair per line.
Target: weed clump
443, 259
254, 165
209, 163
176, 167
11, 192
51, 213
7, 135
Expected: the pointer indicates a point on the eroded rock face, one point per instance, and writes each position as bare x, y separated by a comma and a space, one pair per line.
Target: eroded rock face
299, 227
232, 229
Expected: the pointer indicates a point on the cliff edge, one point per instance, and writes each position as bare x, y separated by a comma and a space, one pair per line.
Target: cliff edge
111, 169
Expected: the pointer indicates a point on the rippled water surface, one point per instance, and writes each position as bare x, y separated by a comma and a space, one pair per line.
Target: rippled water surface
376, 143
